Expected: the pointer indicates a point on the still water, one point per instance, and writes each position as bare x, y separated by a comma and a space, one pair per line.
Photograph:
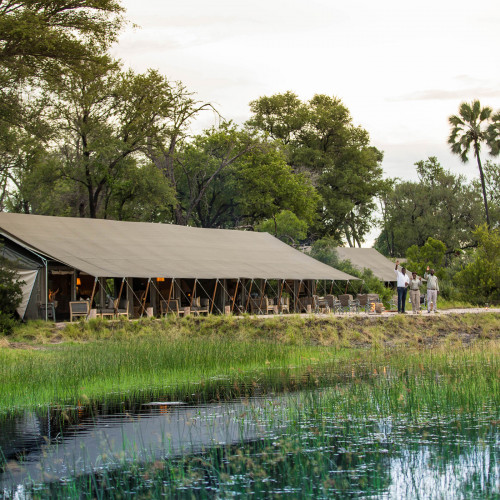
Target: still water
320, 443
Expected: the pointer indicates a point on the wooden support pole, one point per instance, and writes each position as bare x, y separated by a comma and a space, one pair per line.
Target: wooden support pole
170, 293
213, 296
331, 288
280, 295
143, 305
249, 295
92, 296
119, 296
234, 296
262, 296
192, 293
297, 296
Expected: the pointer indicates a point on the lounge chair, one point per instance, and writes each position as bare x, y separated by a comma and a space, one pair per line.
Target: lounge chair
313, 301
260, 305
169, 306
333, 303
79, 309
121, 307
285, 304
200, 306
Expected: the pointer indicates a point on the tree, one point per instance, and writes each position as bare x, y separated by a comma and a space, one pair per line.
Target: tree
479, 281
35, 34
471, 128
286, 226
441, 205
10, 294
431, 254
232, 177
104, 118
492, 180
320, 140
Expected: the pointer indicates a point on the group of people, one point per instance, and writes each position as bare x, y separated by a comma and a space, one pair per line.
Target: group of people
405, 283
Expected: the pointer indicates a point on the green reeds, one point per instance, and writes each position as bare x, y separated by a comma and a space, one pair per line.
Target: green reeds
405, 425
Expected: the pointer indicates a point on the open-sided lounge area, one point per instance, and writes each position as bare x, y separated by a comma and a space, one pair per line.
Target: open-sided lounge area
86, 268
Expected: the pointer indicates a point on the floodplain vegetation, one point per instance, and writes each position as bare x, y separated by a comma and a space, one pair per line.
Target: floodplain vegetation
400, 407
41, 364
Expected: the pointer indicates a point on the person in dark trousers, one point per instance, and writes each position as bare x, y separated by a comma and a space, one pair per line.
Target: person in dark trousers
403, 281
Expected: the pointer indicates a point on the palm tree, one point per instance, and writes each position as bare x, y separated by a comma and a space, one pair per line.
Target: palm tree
470, 128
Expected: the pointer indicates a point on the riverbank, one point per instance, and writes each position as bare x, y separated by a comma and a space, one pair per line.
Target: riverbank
357, 330
41, 364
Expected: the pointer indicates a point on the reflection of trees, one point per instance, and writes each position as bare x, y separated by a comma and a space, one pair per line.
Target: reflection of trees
25, 433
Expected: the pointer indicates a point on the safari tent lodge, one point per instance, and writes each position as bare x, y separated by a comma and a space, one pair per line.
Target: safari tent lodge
75, 267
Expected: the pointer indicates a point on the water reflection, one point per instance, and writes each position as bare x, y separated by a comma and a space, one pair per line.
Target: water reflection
295, 444
36, 448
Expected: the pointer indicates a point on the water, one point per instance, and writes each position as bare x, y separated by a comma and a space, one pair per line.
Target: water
341, 441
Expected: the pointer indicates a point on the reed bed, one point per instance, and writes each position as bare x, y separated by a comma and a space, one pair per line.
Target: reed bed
98, 358
404, 425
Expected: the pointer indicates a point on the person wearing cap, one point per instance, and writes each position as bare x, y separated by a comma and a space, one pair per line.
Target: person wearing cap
403, 281
432, 289
415, 284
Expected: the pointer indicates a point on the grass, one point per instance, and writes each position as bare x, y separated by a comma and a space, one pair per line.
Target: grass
432, 415
89, 360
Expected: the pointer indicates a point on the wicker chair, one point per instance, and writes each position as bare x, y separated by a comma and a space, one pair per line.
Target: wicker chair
169, 306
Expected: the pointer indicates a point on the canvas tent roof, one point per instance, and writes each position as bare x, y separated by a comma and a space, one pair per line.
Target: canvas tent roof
110, 249
369, 258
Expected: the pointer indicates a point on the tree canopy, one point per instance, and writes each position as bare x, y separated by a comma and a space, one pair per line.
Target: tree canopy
321, 141
472, 127
440, 205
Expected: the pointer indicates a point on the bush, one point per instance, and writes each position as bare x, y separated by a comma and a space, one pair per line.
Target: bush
479, 281
10, 295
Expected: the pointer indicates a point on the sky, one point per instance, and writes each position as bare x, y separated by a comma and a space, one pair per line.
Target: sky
402, 68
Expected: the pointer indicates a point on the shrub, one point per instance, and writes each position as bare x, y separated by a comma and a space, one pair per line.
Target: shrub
479, 281
10, 295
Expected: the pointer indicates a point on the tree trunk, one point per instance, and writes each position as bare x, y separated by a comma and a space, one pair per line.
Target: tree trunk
483, 185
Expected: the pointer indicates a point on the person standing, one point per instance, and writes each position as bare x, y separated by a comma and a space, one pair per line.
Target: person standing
415, 284
402, 284
432, 289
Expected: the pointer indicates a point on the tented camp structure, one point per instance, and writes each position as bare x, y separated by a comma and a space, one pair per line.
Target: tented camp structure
369, 258
155, 267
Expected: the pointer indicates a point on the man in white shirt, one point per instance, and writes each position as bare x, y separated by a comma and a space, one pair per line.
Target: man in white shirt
402, 284
432, 289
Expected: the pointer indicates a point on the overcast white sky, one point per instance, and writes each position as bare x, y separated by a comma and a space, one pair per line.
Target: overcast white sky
400, 67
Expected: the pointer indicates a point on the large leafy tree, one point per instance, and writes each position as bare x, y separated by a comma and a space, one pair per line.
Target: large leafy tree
479, 281
103, 119
38, 38
471, 128
440, 205
321, 141
36, 33
232, 177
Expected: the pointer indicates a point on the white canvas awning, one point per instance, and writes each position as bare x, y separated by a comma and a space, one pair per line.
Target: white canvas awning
369, 258
110, 249
28, 277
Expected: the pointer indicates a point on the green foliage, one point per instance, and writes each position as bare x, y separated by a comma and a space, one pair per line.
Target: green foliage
323, 250
319, 139
228, 177
286, 226
479, 281
431, 254
37, 35
472, 127
441, 205
10, 295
